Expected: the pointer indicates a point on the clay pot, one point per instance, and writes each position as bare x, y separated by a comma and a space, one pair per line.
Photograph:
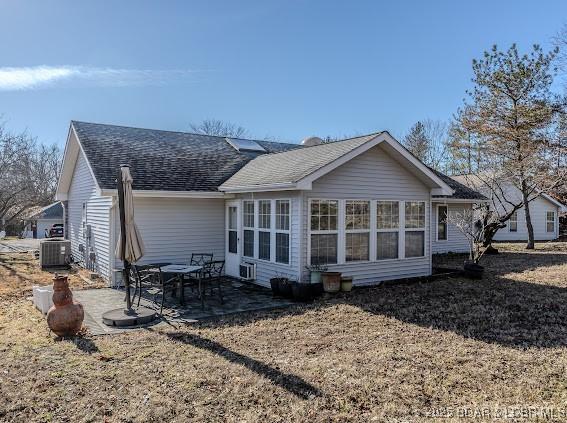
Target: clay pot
332, 281
66, 316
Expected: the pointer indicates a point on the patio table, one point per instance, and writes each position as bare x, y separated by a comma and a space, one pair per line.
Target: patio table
181, 270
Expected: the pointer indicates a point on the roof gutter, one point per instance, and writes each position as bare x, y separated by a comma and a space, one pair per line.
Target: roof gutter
166, 194
288, 186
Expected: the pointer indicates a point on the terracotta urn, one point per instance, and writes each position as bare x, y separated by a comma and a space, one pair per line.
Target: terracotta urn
66, 316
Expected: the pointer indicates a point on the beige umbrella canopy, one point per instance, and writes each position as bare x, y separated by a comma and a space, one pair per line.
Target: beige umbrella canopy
133, 246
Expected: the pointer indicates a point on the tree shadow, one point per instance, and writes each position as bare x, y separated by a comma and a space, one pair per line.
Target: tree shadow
291, 383
83, 344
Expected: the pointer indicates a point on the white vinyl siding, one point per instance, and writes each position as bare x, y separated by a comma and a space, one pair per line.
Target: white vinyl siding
456, 241
267, 269
373, 175
83, 190
172, 229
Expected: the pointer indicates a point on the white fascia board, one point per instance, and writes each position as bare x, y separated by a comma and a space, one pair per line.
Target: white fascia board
458, 200
549, 198
261, 188
166, 194
442, 189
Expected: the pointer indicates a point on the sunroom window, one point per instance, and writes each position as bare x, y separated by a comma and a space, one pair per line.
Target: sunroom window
324, 231
414, 229
387, 229
357, 229
248, 223
282, 231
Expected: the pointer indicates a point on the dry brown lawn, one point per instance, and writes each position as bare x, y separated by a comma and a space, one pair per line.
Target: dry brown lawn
495, 347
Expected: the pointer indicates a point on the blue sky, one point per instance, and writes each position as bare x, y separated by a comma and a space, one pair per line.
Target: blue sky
284, 69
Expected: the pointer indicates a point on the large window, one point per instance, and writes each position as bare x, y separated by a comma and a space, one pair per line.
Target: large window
442, 214
414, 229
357, 226
387, 227
266, 230
349, 231
550, 221
282, 231
513, 224
324, 231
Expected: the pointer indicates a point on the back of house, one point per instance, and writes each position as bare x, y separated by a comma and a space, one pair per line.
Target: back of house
363, 206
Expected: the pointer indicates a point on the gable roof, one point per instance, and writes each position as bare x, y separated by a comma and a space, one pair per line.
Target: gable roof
162, 160
186, 164
52, 211
297, 169
461, 191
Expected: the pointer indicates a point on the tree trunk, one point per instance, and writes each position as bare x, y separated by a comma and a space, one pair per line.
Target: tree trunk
531, 240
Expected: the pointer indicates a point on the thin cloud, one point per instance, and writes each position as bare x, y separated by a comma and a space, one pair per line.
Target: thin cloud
28, 78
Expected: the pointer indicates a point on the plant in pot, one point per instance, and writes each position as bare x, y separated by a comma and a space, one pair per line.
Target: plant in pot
315, 278
346, 283
332, 281
472, 223
301, 291
275, 285
285, 287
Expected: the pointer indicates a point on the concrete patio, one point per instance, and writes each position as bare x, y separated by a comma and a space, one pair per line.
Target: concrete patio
238, 297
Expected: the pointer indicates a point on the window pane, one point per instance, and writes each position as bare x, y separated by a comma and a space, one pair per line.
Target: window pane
514, 222
282, 248
442, 223
357, 247
357, 215
387, 215
264, 245
386, 245
249, 243
415, 244
550, 221
232, 217
324, 249
232, 242
264, 210
282, 215
324, 215
415, 214
248, 214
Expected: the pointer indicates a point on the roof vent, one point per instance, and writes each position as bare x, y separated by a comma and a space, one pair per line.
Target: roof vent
311, 141
245, 145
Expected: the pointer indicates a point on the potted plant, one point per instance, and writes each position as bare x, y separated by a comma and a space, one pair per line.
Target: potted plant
284, 287
301, 291
332, 281
275, 285
346, 283
315, 278
472, 223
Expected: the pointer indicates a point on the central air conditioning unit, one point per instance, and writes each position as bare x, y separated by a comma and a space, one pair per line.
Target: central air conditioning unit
247, 271
54, 252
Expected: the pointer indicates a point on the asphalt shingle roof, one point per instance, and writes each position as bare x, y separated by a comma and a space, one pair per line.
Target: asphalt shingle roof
461, 191
53, 211
292, 166
163, 160
180, 161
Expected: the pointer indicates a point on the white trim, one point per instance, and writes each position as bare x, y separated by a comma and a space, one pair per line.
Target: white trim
548, 221
437, 223
510, 221
457, 200
306, 182
562, 207
167, 194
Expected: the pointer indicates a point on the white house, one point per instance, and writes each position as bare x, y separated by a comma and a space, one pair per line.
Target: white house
363, 206
544, 212
39, 224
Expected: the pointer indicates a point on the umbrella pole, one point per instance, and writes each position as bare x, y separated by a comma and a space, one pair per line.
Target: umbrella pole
123, 317
126, 271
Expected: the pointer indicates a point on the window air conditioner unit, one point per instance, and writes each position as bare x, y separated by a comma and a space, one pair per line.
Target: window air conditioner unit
54, 252
248, 271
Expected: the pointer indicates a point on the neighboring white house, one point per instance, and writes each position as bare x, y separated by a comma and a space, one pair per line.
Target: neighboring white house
39, 224
363, 206
544, 212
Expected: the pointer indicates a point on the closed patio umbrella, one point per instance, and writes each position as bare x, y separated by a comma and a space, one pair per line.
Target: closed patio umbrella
129, 249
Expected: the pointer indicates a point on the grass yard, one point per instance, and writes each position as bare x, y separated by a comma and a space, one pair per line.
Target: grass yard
396, 353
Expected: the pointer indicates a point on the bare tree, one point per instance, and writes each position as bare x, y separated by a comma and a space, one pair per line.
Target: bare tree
473, 223
513, 115
28, 174
427, 140
219, 128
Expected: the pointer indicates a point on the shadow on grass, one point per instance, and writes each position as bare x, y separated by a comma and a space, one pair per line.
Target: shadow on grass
496, 309
291, 383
